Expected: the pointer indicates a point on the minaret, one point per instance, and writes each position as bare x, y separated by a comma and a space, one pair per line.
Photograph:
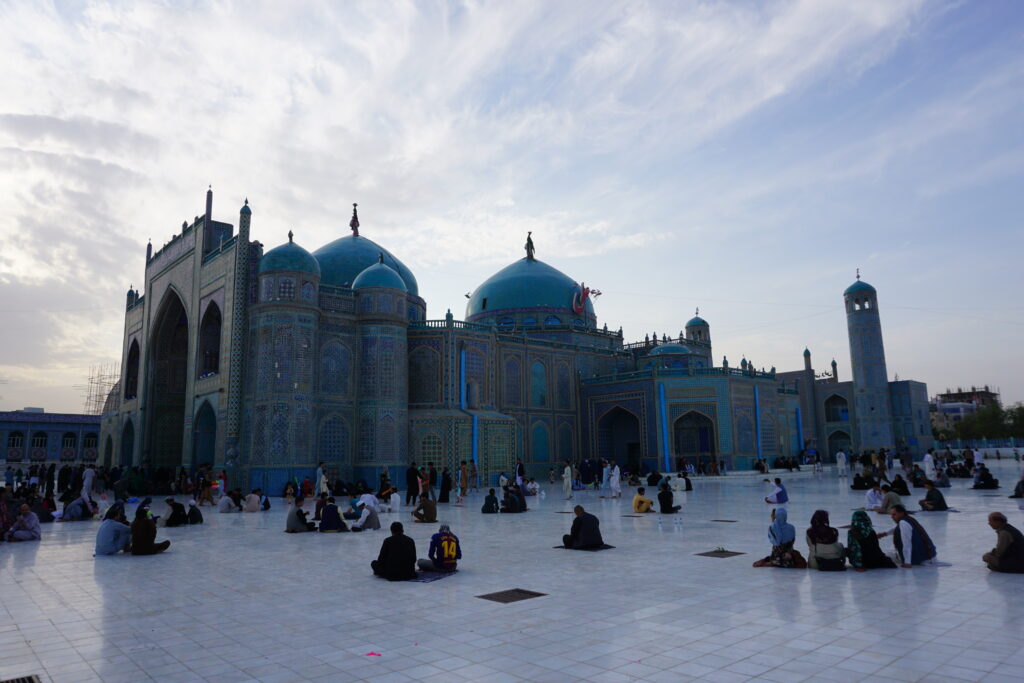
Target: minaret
867, 364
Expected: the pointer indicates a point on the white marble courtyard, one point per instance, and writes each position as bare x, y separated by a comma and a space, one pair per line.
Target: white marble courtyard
237, 599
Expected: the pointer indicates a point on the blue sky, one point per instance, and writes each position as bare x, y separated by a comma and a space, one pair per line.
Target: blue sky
741, 157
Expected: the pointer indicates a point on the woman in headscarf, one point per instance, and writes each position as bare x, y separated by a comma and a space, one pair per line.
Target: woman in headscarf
782, 536
195, 516
899, 485
446, 485
825, 552
114, 534
862, 545
144, 534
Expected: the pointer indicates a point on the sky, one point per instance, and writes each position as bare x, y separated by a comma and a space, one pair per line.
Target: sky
744, 158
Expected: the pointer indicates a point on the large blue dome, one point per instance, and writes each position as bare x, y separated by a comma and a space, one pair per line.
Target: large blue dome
859, 286
289, 256
379, 275
345, 258
527, 284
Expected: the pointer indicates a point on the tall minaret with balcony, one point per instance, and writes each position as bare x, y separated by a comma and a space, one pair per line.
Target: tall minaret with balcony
867, 362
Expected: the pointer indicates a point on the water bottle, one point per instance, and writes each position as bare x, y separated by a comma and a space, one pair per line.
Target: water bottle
659, 522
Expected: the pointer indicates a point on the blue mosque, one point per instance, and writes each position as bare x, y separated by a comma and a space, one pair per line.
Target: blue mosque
268, 362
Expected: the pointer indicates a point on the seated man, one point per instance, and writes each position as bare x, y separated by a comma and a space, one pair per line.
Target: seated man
26, 526
368, 518
666, 500
490, 503
859, 483
778, 496
355, 510
252, 502
397, 558
642, 503
320, 503
1018, 490
913, 545
1008, 555
933, 501
873, 498
226, 504
330, 518
585, 532
941, 479
296, 522
79, 509
176, 515
899, 486
512, 503
426, 511
532, 488
984, 479
195, 515
444, 552
114, 534
889, 499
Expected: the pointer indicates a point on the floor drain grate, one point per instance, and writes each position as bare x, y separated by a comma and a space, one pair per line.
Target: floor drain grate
731, 521
720, 553
22, 679
512, 595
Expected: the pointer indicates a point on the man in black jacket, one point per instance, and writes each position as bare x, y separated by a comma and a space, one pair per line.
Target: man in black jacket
397, 559
666, 500
585, 532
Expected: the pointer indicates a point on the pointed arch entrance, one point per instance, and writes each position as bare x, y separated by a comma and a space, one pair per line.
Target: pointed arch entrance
693, 435
618, 437
167, 375
838, 441
127, 444
204, 436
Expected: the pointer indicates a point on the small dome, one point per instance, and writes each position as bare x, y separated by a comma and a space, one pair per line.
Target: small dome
859, 286
379, 275
669, 350
527, 284
245, 208
346, 257
807, 351
289, 256
696, 321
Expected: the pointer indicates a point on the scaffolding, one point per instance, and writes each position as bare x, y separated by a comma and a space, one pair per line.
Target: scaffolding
103, 378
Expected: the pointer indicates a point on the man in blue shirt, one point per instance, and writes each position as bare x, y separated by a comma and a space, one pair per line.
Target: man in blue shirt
444, 552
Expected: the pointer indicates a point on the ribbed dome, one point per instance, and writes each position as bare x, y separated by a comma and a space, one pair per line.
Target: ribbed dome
526, 284
345, 258
669, 349
696, 320
379, 275
289, 256
859, 286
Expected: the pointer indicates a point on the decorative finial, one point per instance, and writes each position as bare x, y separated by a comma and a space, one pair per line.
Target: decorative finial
247, 201
354, 223
858, 273
291, 235
529, 245
697, 313
209, 188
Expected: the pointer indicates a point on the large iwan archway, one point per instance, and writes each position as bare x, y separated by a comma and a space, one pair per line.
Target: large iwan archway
167, 373
618, 437
204, 436
694, 435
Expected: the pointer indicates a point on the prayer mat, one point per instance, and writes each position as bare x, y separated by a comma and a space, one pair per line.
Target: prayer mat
633, 515
720, 553
845, 526
992, 495
512, 595
563, 512
593, 550
725, 520
429, 577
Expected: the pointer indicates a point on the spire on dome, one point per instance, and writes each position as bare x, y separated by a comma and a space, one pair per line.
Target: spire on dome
858, 273
380, 257
529, 246
291, 236
354, 223
696, 313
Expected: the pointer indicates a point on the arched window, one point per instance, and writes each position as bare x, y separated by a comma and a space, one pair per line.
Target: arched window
69, 440
867, 303
538, 385
131, 373
209, 341
552, 321
91, 440
39, 440
16, 440
529, 322
424, 375
506, 324
540, 444
286, 288
564, 388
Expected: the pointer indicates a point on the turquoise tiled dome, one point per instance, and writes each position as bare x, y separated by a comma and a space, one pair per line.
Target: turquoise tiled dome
859, 286
526, 284
289, 256
379, 275
668, 349
697, 320
345, 258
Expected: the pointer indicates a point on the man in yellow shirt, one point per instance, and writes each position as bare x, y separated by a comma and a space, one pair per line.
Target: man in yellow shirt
642, 503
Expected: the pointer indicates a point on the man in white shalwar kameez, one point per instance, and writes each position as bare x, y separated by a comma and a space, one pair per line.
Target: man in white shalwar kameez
567, 480
928, 464
614, 481
841, 463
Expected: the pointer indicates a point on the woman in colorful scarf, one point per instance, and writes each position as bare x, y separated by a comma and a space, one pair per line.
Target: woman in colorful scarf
862, 545
825, 552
